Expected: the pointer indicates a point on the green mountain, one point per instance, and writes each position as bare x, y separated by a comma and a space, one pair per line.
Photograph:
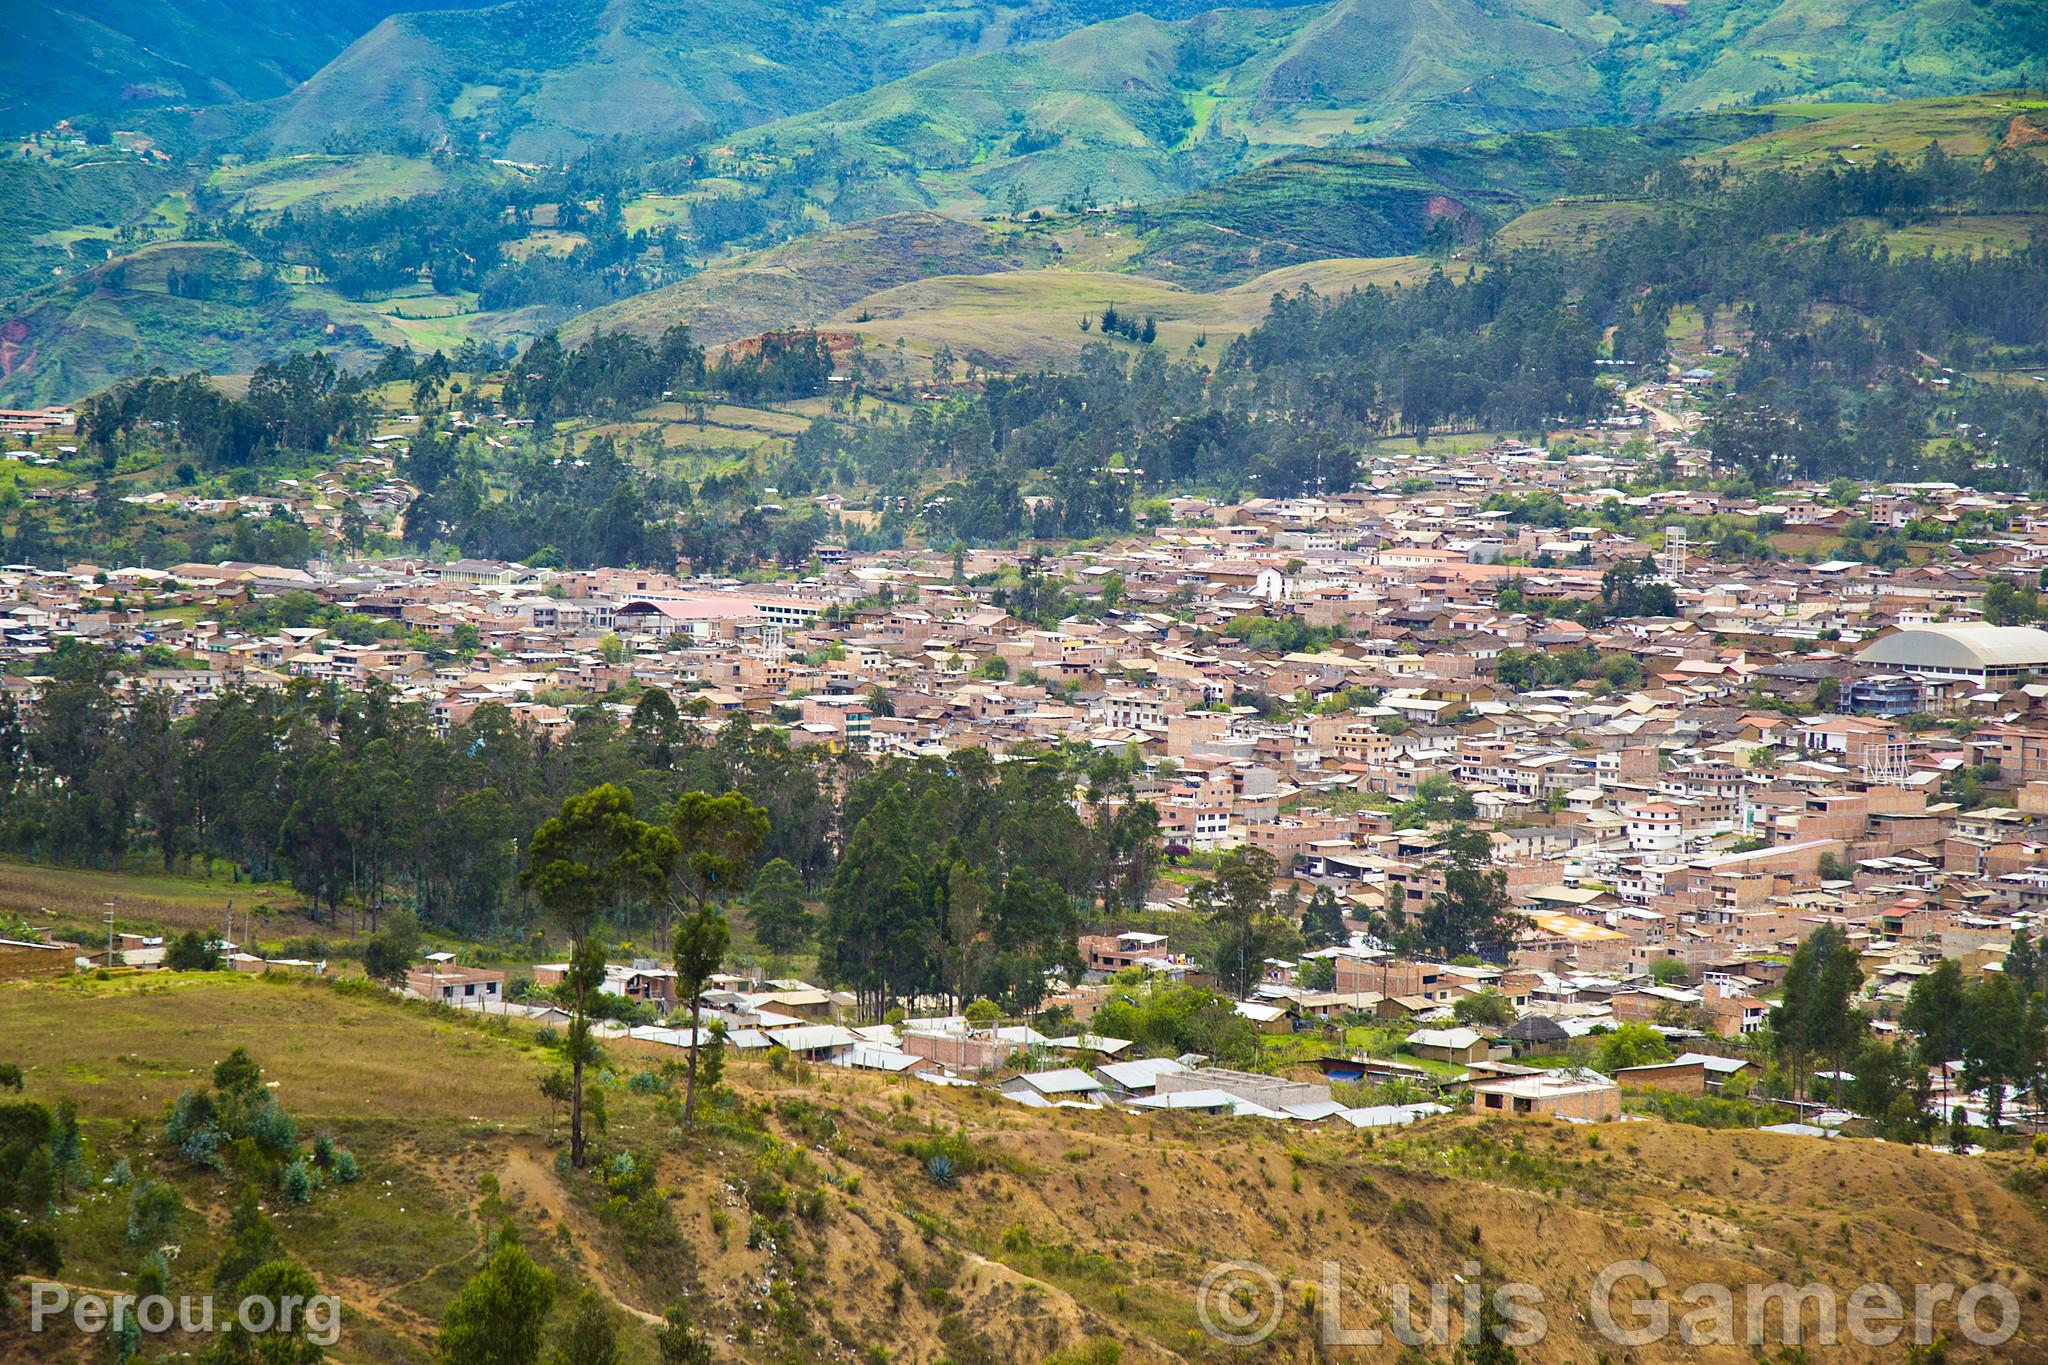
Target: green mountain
537, 80
1134, 109
1137, 109
180, 305
110, 58
1391, 201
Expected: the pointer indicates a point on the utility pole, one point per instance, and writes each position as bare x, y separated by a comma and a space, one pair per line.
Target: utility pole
110, 937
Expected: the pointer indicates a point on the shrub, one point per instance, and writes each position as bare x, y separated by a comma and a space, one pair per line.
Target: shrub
297, 1183
767, 1196
272, 1130
961, 1155
345, 1170
154, 1210
648, 1083
193, 1130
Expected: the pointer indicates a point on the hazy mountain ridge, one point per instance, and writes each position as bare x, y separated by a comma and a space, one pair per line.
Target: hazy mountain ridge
1139, 110
114, 57
538, 79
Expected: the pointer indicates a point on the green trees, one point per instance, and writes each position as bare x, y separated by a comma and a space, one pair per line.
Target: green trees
1629, 589
1631, 1045
893, 925
595, 852
2001, 1041
1322, 920
192, 951
701, 941
678, 1341
1888, 1087
716, 839
1243, 908
1436, 798
289, 1336
1166, 1020
498, 1317
588, 1337
1816, 1016
302, 403
1471, 912
252, 1242
154, 1213
1485, 1007
1934, 1013
30, 1178
1537, 668
775, 908
394, 948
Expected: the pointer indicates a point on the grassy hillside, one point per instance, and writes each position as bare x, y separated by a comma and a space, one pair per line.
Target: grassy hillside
1394, 200
1716, 53
114, 229
1030, 319
1796, 136
63, 217
1964, 126
536, 80
797, 1224
123, 318
1129, 110
335, 182
809, 279
73, 901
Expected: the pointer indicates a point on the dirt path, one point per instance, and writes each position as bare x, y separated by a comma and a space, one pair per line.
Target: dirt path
1661, 419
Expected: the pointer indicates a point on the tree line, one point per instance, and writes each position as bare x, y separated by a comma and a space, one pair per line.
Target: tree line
358, 798
966, 877
303, 403
1991, 1028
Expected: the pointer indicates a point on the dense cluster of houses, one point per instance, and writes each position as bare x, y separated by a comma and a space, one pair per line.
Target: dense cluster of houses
1800, 741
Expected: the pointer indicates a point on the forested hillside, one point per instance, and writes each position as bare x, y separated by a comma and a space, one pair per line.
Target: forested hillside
1507, 341
1831, 327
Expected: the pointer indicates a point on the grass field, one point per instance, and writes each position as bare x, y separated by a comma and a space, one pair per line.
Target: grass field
146, 900
1988, 232
1966, 125
1027, 318
1567, 222
328, 182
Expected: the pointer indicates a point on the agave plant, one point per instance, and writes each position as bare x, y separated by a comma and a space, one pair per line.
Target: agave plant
940, 1169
